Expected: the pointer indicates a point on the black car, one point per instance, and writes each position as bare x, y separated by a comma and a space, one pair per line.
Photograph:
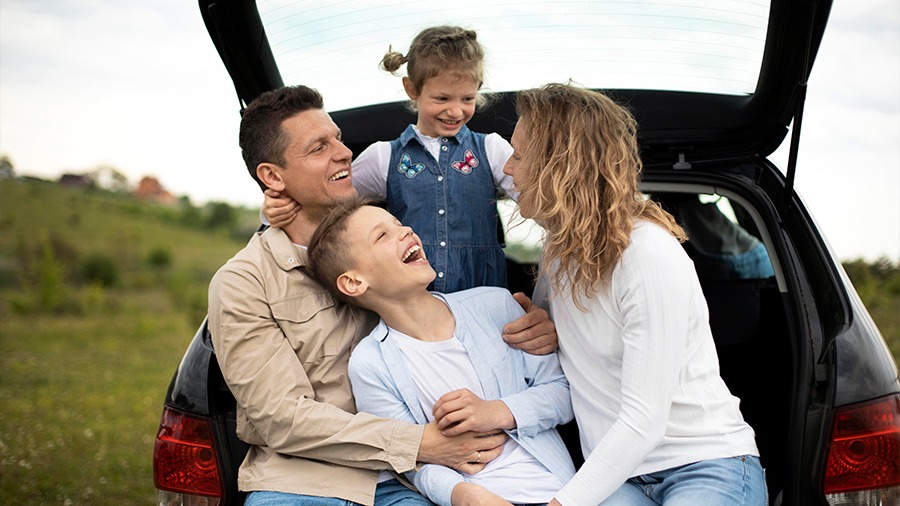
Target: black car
714, 90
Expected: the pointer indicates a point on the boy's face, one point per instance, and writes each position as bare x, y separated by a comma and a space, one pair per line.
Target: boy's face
386, 254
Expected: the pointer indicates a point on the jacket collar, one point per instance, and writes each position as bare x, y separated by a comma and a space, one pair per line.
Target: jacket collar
286, 254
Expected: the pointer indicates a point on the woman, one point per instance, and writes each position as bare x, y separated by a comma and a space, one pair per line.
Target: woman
658, 425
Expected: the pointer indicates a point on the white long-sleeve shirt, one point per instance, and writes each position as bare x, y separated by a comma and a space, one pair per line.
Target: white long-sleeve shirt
644, 373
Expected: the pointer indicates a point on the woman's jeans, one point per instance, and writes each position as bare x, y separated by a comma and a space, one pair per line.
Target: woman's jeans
388, 493
731, 481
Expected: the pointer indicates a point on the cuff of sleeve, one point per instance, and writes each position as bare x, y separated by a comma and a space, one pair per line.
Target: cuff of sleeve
404, 446
526, 416
575, 492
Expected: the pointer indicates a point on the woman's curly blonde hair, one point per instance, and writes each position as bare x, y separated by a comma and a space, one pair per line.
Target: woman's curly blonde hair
579, 169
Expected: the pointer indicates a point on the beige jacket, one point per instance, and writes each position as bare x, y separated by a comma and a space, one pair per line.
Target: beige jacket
283, 344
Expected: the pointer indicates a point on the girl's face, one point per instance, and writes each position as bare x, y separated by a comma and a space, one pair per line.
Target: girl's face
516, 169
445, 103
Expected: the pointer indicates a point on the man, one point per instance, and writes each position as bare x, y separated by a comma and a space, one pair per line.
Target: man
283, 342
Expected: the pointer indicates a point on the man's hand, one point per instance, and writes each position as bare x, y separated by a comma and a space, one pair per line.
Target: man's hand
467, 453
279, 210
462, 411
469, 494
533, 333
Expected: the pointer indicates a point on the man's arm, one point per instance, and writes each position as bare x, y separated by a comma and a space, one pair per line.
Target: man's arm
534, 332
271, 386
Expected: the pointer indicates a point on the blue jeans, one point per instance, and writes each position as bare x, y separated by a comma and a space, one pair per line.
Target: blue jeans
730, 481
388, 493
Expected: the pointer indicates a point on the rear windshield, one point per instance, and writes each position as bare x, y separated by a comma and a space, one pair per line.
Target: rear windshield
709, 46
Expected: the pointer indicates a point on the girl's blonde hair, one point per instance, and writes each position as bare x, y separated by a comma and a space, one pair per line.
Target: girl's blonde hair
436, 50
580, 164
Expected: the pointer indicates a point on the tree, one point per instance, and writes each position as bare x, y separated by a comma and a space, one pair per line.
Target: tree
7, 171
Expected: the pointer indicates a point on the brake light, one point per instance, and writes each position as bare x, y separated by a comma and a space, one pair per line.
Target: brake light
865, 452
184, 459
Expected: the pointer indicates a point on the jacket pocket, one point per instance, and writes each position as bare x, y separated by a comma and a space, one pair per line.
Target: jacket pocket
307, 322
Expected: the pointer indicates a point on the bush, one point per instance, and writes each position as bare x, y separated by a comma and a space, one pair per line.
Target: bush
100, 269
159, 258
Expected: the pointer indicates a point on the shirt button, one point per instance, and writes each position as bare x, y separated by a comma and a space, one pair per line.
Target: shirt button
441, 274
443, 139
443, 243
441, 212
440, 178
443, 148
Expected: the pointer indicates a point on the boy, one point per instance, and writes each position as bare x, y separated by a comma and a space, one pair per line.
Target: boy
441, 358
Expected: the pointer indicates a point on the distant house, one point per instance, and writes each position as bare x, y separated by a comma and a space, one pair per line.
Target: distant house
76, 181
152, 190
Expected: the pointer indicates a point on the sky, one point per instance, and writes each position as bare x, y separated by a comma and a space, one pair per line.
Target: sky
139, 86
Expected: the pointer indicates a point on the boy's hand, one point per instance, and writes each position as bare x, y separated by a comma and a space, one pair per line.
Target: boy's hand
533, 333
279, 210
467, 453
469, 494
462, 411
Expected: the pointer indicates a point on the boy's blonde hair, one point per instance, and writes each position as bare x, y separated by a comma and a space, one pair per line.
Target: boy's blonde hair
440, 49
580, 166
328, 254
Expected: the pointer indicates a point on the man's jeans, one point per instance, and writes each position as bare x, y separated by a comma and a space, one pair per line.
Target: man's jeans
731, 481
388, 493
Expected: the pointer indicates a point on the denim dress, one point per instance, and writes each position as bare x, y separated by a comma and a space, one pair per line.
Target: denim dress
451, 203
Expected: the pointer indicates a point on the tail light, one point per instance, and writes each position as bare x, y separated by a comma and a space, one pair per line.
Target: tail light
185, 466
864, 458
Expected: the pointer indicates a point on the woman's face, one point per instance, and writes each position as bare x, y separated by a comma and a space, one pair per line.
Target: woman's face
516, 169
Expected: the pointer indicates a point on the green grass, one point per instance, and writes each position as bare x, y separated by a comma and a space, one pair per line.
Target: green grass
82, 382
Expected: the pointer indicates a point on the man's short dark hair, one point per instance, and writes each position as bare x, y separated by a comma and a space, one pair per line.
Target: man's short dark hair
261, 137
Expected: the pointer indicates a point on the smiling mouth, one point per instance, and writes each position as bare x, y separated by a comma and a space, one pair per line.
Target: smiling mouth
344, 174
413, 254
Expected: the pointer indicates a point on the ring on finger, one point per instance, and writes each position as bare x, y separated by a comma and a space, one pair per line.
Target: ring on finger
478, 460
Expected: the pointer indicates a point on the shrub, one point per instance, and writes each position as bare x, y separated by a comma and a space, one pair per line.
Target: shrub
100, 269
159, 258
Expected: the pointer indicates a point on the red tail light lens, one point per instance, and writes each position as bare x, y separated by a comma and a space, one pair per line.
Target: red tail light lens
184, 457
865, 447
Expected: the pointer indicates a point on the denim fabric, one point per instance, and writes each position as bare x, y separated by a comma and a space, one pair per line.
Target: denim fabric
452, 206
388, 493
732, 481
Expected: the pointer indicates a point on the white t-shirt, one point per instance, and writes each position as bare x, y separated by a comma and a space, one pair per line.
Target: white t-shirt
503, 475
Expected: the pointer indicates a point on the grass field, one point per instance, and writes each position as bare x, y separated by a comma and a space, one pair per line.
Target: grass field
84, 365
82, 386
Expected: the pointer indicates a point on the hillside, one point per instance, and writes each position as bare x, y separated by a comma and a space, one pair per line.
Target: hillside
99, 296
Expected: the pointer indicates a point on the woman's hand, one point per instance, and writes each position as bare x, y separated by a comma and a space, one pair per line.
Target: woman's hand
462, 411
279, 210
533, 333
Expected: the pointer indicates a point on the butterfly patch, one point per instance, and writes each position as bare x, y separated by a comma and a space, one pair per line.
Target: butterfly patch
409, 169
466, 166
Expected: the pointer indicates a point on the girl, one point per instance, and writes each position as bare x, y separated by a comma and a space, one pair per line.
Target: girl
438, 177
657, 423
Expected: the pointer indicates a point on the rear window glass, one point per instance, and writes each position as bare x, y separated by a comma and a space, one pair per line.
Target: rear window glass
710, 46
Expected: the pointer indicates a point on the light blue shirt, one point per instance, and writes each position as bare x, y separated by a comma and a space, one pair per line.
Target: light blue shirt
532, 387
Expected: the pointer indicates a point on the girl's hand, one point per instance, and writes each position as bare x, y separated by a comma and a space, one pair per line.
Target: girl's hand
466, 494
279, 210
462, 411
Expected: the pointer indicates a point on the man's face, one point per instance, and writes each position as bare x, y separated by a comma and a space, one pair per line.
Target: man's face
316, 171
385, 253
